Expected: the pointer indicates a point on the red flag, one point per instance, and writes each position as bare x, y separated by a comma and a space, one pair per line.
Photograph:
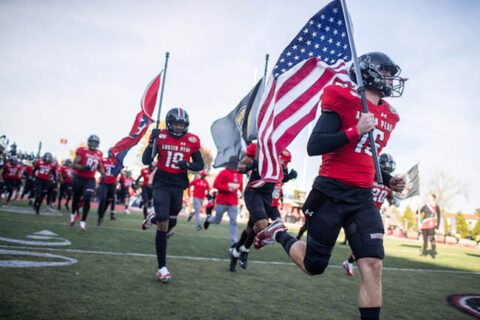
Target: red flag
140, 126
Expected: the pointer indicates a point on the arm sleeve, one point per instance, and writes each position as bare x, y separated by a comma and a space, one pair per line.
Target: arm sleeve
197, 163
386, 178
326, 136
147, 156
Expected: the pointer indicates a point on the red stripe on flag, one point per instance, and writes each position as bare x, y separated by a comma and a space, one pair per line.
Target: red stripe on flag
266, 104
297, 77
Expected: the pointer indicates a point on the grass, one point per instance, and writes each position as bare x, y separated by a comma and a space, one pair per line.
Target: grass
107, 286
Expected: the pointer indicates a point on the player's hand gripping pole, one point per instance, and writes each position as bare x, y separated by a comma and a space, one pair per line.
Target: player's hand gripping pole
361, 89
154, 149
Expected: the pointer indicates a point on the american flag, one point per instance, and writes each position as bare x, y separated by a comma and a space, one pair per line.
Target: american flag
317, 56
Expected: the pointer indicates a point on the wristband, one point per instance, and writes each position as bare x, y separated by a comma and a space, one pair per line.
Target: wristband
352, 133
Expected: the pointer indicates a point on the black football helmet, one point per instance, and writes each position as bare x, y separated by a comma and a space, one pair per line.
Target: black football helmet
180, 116
93, 142
373, 65
67, 163
387, 163
47, 157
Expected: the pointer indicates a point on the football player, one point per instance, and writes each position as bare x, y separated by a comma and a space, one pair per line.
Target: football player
146, 188
28, 187
126, 183
342, 194
42, 171
380, 193
106, 190
200, 188
12, 173
66, 176
177, 152
87, 162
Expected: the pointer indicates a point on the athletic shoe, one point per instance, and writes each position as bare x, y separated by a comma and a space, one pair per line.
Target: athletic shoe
72, 220
127, 211
198, 228
206, 224
148, 221
348, 268
243, 259
189, 217
233, 260
163, 275
83, 225
267, 235
112, 216
99, 222
170, 234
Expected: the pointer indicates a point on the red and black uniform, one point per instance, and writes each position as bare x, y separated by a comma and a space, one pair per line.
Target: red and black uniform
342, 193
284, 157
12, 174
66, 175
29, 185
125, 184
84, 181
43, 171
380, 192
53, 188
147, 194
106, 189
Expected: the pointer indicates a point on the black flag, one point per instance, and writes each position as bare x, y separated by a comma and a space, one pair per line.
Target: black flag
412, 187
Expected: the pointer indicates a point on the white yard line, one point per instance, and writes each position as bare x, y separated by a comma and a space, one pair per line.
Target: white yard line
220, 259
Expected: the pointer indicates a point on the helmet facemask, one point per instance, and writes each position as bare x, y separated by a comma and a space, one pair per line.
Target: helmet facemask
174, 117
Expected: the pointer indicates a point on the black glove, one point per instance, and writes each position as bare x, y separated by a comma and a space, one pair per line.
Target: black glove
154, 135
293, 174
184, 165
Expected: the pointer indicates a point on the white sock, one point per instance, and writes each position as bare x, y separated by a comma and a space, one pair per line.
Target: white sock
235, 253
243, 249
82, 224
72, 217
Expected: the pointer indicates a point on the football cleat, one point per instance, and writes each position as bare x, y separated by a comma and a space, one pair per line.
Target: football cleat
233, 260
267, 235
348, 268
83, 225
243, 259
198, 228
72, 220
206, 224
112, 216
163, 275
189, 217
148, 221
127, 211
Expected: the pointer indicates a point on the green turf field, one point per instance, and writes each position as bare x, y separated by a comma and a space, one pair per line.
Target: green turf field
114, 276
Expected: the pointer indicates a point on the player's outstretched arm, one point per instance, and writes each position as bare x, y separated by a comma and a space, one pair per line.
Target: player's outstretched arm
326, 136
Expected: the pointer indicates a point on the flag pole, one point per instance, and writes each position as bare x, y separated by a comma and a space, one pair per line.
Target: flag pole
154, 149
361, 89
265, 72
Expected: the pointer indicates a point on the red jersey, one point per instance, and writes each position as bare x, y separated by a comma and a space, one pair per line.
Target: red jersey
91, 158
145, 173
171, 150
108, 164
66, 173
380, 192
126, 182
44, 169
13, 171
228, 182
200, 188
29, 170
277, 194
352, 163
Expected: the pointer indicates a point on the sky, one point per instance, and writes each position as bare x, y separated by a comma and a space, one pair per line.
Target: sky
69, 69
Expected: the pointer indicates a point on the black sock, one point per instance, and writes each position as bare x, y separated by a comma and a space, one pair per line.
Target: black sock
86, 208
242, 240
351, 259
161, 246
285, 239
369, 313
250, 238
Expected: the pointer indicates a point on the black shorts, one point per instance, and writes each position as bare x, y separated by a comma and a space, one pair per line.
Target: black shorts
167, 202
41, 186
147, 194
259, 204
83, 187
361, 221
122, 194
65, 188
11, 184
106, 191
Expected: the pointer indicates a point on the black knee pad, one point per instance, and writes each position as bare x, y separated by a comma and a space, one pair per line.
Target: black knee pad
317, 256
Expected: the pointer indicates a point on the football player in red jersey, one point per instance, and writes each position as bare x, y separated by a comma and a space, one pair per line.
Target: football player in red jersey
342, 193
380, 193
106, 190
66, 176
147, 194
200, 189
42, 171
259, 202
87, 162
175, 148
29, 185
12, 173
126, 183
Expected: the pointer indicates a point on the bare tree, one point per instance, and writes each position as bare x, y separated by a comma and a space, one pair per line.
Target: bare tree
447, 189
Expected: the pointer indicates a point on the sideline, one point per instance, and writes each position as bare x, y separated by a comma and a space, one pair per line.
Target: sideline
223, 260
